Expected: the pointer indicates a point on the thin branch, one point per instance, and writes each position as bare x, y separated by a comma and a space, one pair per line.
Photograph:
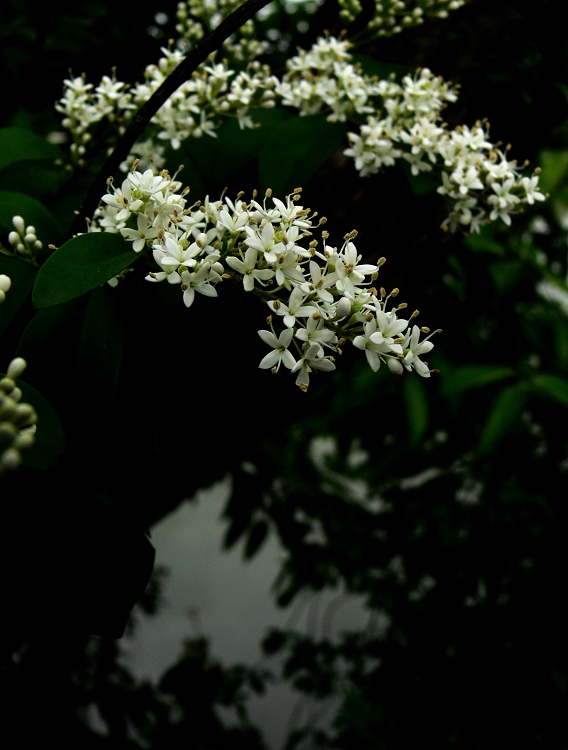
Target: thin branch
137, 125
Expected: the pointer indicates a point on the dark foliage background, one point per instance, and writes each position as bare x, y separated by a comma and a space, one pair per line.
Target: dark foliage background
463, 566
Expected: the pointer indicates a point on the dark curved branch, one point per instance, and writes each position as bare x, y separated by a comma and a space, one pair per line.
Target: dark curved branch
137, 125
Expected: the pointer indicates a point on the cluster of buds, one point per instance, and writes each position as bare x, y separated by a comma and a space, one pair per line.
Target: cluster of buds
324, 295
196, 18
17, 420
393, 16
5, 284
23, 240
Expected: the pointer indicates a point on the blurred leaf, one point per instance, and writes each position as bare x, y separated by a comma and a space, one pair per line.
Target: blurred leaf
256, 537
484, 241
461, 379
382, 70
416, 402
560, 331
81, 264
507, 274
33, 212
23, 276
17, 145
503, 415
420, 184
554, 165
552, 386
296, 150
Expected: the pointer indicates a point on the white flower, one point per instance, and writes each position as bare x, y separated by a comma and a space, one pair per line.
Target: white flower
312, 359
413, 348
295, 308
249, 270
199, 281
279, 353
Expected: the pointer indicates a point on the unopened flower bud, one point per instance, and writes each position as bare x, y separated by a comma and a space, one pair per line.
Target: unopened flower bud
8, 433
14, 239
5, 282
16, 368
395, 366
10, 459
343, 307
18, 222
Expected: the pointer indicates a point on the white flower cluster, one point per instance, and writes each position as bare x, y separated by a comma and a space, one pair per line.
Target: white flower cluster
83, 106
5, 284
17, 420
323, 296
393, 16
197, 18
214, 92
24, 240
479, 182
323, 80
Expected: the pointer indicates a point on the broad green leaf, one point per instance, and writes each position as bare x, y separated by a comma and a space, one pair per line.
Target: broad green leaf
33, 212
100, 349
40, 179
23, 277
552, 386
17, 145
416, 402
296, 150
503, 415
81, 264
461, 379
50, 332
222, 158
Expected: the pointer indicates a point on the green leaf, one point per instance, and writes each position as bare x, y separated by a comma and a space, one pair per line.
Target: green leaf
81, 264
503, 415
382, 70
461, 379
18, 145
222, 158
507, 274
48, 229
296, 150
100, 350
51, 333
420, 184
554, 165
416, 402
23, 276
484, 241
552, 386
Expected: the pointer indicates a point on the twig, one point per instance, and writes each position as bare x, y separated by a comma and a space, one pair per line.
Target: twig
143, 116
